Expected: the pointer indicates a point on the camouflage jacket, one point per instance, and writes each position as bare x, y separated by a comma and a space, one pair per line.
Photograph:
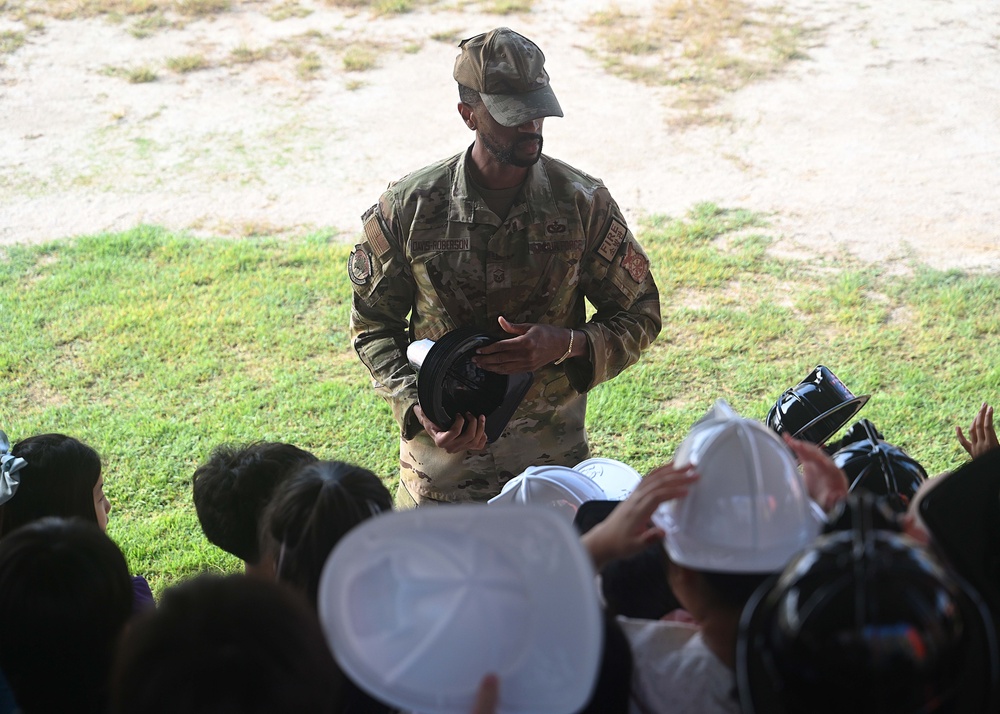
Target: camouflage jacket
435, 257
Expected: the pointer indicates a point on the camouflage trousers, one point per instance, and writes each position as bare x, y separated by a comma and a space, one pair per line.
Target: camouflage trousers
430, 474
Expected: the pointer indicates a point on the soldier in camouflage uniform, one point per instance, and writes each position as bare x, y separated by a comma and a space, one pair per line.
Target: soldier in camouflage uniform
513, 242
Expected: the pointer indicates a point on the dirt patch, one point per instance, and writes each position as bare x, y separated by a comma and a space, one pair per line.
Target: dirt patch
878, 138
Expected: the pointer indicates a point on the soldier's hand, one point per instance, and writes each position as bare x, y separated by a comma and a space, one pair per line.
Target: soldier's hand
467, 433
534, 346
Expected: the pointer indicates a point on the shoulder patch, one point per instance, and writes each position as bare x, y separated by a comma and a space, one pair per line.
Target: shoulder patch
375, 234
612, 240
635, 263
359, 266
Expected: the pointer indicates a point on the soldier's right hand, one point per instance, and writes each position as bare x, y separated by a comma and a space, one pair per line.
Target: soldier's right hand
468, 433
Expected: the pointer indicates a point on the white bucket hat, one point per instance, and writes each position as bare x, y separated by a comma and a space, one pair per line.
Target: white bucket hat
418, 606
749, 512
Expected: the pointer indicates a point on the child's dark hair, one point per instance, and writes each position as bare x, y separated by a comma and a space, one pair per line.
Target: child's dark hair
312, 511
57, 480
233, 487
66, 594
226, 644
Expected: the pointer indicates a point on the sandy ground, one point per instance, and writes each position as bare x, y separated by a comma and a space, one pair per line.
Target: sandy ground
884, 141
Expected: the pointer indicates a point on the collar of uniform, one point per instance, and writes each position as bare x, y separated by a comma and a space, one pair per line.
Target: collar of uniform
536, 200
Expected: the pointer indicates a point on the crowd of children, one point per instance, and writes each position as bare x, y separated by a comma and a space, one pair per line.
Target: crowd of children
845, 591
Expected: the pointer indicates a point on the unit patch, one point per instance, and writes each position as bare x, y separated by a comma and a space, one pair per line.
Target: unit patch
359, 266
635, 263
612, 240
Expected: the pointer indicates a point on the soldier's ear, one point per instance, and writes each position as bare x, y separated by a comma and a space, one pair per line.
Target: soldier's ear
468, 116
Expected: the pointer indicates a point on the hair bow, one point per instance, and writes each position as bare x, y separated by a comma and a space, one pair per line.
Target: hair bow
9, 467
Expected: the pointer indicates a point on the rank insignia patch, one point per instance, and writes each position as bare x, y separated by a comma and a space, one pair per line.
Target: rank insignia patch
612, 240
556, 227
359, 266
635, 263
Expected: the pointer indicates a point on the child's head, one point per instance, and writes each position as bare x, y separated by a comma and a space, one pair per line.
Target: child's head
232, 488
66, 594
61, 477
312, 511
233, 644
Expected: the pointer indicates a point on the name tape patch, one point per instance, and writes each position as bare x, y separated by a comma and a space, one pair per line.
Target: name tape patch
554, 246
424, 246
612, 240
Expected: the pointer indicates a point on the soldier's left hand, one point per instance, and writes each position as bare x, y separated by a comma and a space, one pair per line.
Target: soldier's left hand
534, 346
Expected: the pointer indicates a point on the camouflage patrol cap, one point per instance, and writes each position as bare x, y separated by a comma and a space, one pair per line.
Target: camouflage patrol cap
508, 71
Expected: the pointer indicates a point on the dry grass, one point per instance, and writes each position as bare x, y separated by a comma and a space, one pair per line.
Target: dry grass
202, 8
703, 48
378, 7
11, 41
288, 9
187, 63
146, 25
119, 10
509, 7
309, 66
244, 54
451, 37
140, 75
116, 9
360, 58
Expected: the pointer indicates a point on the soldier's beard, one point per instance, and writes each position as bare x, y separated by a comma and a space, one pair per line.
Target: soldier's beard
508, 154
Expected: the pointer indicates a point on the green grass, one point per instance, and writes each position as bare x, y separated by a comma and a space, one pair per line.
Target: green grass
155, 347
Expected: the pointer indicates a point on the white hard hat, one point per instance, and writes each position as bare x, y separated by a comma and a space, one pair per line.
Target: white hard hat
749, 512
616, 479
559, 488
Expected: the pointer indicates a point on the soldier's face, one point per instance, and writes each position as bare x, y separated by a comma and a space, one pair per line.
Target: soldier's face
515, 145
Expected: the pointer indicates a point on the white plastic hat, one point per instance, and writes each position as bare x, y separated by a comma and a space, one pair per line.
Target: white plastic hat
615, 478
749, 512
418, 606
559, 488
